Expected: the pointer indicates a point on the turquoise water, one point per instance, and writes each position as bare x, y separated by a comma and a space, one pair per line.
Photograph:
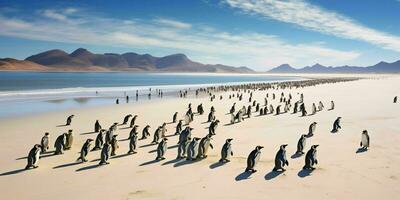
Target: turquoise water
24, 93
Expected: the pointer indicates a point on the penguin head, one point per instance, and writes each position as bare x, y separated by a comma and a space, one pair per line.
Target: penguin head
115, 136
259, 147
315, 123
89, 140
314, 146
217, 121
165, 139
303, 136
46, 134
365, 132
37, 146
283, 146
229, 140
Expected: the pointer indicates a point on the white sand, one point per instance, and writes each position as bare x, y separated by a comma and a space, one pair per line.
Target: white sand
341, 173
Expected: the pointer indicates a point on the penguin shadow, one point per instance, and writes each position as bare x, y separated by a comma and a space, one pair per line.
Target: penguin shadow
186, 162
361, 150
48, 155
128, 127
88, 133
217, 164
169, 123
150, 162
67, 165
121, 140
229, 124
87, 167
296, 155
205, 122
304, 173
243, 176
272, 174
173, 146
147, 145
62, 125
172, 135
172, 161
95, 160
17, 171
120, 155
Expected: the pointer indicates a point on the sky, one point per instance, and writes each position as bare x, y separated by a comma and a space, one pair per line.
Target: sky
260, 34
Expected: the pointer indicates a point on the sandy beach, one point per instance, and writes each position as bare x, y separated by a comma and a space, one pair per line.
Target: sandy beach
341, 173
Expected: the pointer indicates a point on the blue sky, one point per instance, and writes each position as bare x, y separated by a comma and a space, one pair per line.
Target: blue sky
260, 34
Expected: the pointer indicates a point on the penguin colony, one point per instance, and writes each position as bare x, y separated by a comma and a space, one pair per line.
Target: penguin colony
194, 148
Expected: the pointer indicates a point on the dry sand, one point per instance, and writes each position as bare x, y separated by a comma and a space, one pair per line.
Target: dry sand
341, 173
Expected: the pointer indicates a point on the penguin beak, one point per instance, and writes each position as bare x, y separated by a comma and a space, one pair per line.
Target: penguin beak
316, 145
285, 145
261, 147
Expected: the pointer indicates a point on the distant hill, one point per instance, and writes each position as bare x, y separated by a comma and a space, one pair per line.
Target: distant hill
84, 60
381, 67
10, 64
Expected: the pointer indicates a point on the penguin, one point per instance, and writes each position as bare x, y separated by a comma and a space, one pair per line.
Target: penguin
69, 120
200, 109
364, 144
278, 110
213, 127
395, 99
133, 142
99, 141
211, 116
174, 118
163, 129
261, 112
320, 106
226, 151
85, 150
126, 119
336, 125
280, 159
232, 110
311, 158
133, 121
332, 105
44, 143
179, 128
314, 109
133, 131
33, 157
108, 136
69, 140
97, 126
296, 104
60, 144
271, 108
161, 149
187, 133
114, 145
183, 148
265, 110
249, 111
303, 110
157, 135
145, 132
204, 144
253, 159
311, 129
301, 144
105, 154
193, 149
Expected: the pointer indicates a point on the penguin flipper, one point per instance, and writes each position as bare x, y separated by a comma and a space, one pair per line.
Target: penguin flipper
287, 163
231, 153
211, 146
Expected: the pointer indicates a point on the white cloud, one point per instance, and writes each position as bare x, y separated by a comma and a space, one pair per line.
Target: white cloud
201, 43
315, 18
173, 23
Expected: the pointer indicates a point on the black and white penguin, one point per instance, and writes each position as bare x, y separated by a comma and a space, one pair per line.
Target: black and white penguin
85, 150
187, 133
163, 129
226, 151
278, 110
332, 105
311, 129
33, 157
204, 145
311, 158
303, 110
364, 144
253, 159
59, 144
175, 117
105, 154
133, 121
280, 159
193, 149
183, 148
97, 126
69, 140
114, 145
200, 109
133, 142
161, 149
179, 128
213, 127
301, 144
395, 99
157, 135
69, 120
296, 104
211, 116
265, 110
320, 106
232, 110
109, 135
248, 111
98, 144
44, 143
145, 132
336, 125
126, 119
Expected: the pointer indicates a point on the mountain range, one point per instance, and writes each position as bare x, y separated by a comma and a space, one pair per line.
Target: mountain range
84, 60
381, 67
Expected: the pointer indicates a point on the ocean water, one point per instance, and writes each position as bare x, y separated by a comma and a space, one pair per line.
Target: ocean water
23, 93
